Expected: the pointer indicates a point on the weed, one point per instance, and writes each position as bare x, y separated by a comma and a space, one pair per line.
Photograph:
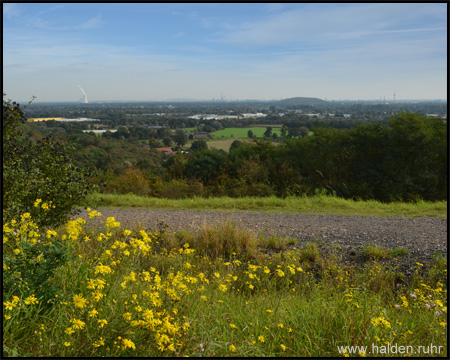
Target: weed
375, 252
310, 252
400, 251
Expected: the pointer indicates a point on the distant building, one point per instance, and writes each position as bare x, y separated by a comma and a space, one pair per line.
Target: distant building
60, 119
312, 115
254, 115
44, 119
201, 136
212, 117
165, 150
153, 126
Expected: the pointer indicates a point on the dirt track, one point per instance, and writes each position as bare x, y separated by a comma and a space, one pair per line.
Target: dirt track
421, 236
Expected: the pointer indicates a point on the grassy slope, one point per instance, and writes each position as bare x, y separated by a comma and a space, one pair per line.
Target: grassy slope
316, 205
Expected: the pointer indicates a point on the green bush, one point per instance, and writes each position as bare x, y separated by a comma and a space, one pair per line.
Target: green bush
41, 171
30, 258
181, 189
130, 181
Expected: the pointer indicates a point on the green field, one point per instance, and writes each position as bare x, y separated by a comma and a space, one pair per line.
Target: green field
242, 132
222, 144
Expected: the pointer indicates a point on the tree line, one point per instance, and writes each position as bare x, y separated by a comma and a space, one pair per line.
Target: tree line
403, 160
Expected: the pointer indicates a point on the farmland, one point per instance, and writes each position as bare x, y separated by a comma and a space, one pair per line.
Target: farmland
234, 132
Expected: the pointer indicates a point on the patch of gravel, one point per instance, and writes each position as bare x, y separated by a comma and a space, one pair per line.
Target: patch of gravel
421, 236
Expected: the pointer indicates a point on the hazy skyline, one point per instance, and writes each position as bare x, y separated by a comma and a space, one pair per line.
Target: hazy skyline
141, 51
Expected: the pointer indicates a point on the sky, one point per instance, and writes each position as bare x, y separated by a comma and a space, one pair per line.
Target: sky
234, 51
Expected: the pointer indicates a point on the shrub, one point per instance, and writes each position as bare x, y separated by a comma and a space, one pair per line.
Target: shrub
130, 181
43, 171
30, 258
180, 189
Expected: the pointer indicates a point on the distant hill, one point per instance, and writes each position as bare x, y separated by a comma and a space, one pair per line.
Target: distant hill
301, 101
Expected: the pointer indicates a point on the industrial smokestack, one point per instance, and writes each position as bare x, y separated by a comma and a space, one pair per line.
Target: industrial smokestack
84, 99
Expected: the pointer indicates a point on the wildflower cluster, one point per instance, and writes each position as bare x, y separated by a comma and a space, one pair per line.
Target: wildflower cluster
134, 293
30, 256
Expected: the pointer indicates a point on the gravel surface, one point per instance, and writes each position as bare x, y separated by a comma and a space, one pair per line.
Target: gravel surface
421, 236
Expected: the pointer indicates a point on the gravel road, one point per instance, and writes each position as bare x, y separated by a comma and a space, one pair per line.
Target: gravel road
421, 236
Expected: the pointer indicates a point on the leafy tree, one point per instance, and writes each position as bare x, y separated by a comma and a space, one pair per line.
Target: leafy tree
268, 132
235, 144
154, 143
250, 134
206, 165
122, 132
199, 145
180, 137
167, 141
42, 170
303, 130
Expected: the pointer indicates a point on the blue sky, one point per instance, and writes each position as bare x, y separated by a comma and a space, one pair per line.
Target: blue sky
263, 51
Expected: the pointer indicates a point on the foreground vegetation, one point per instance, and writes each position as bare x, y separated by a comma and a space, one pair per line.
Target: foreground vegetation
111, 291
311, 205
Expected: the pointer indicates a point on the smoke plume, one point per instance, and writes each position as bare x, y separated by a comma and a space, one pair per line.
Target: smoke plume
84, 98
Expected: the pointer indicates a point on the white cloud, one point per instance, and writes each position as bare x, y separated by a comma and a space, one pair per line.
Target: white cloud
320, 22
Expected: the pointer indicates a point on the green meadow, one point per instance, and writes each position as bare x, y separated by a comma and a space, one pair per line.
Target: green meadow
242, 132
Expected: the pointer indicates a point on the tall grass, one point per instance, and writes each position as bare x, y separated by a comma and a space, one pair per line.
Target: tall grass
214, 293
313, 205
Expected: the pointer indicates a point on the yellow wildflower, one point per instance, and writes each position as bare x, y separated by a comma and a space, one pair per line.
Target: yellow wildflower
232, 348
31, 300
79, 301
78, 324
69, 331
100, 283
280, 272
283, 347
9, 305
128, 344
66, 343
93, 313
97, 295
261, 338
102, 323
94, 213
103, 269
99, 343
